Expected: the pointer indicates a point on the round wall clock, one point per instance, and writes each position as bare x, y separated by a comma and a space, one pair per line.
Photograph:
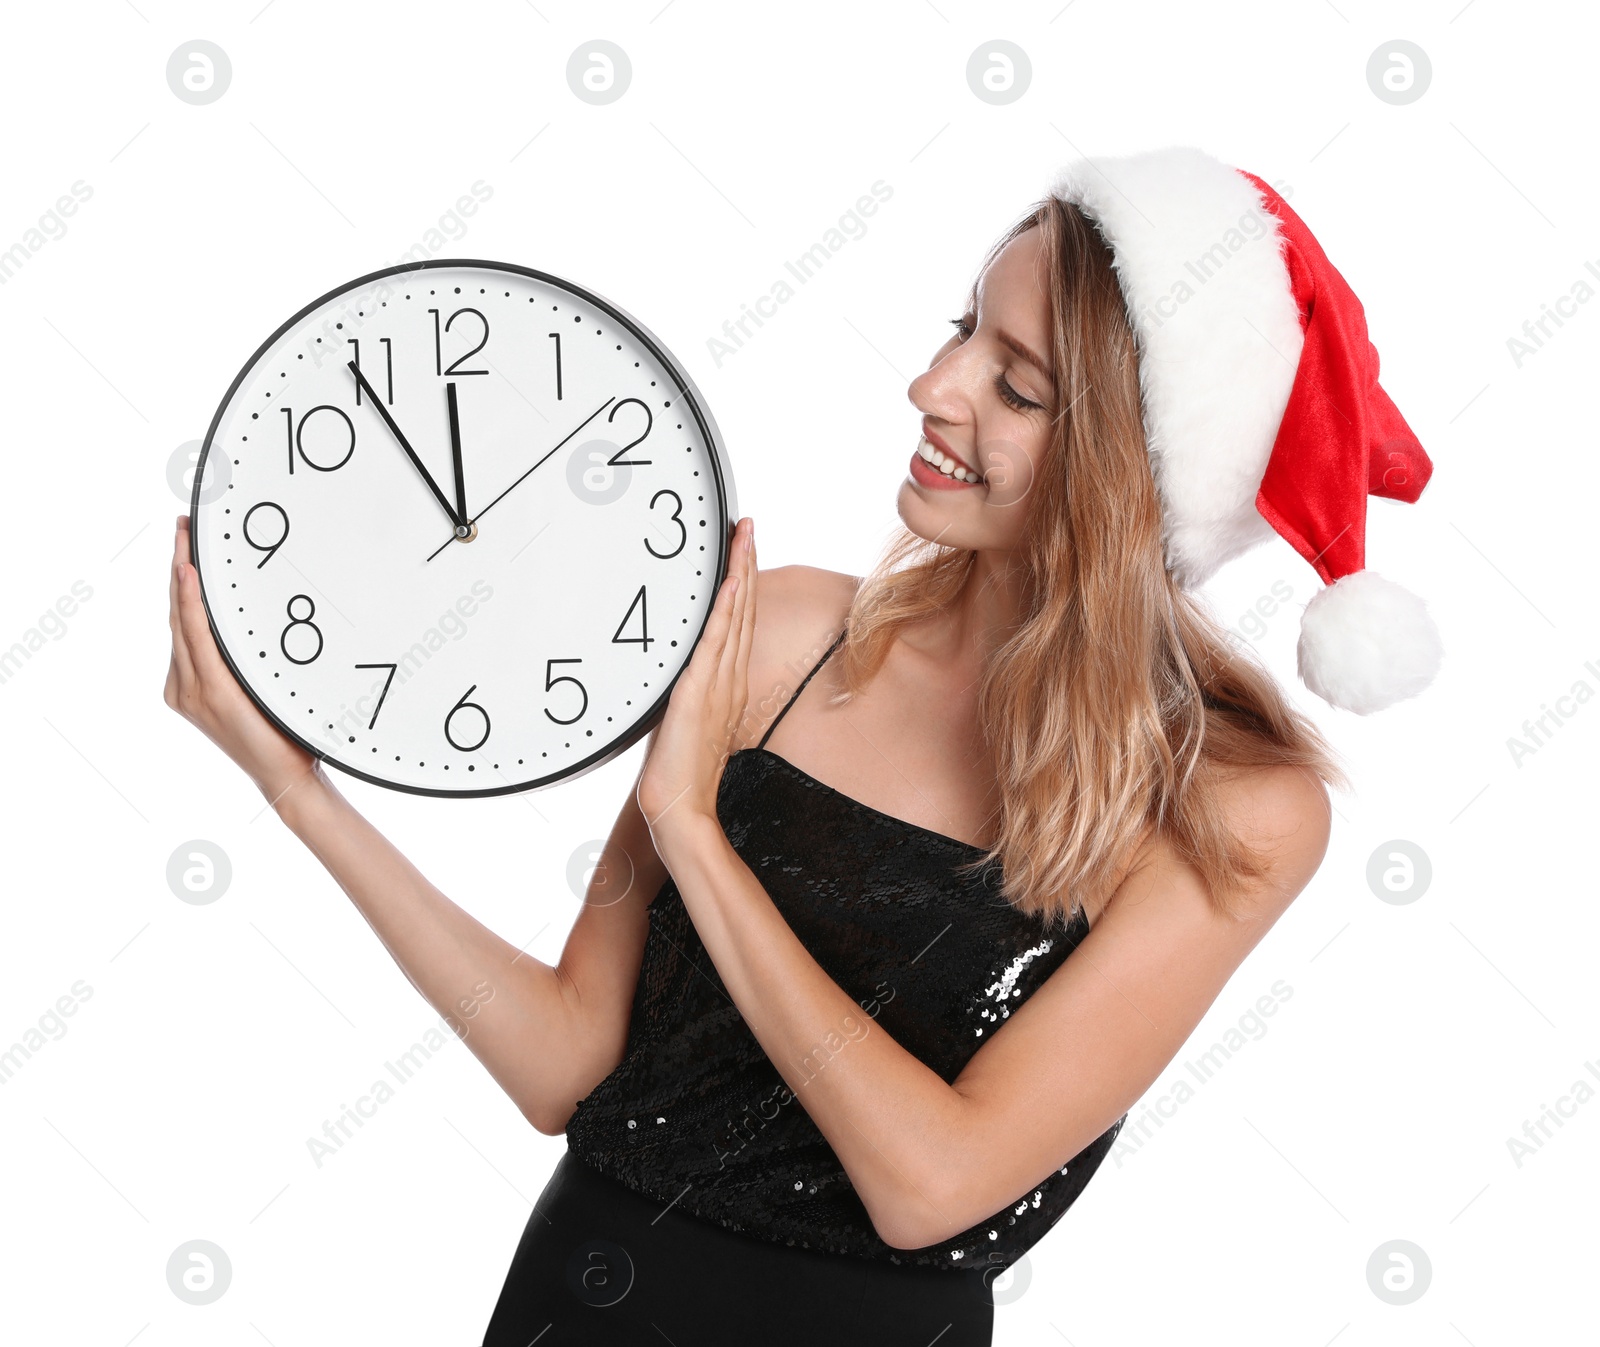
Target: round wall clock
458, 527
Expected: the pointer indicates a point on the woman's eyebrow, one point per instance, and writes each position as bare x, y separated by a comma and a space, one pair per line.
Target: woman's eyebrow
1006, 339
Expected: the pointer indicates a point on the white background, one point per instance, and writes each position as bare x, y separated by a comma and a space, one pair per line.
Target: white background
1419, 1037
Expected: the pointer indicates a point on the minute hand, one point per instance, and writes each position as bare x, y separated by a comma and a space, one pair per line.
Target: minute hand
405, 444
596, 412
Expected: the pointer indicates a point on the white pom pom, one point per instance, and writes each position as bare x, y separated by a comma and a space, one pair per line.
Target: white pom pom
1366, 643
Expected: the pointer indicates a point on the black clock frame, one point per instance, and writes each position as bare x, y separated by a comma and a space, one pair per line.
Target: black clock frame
686, 389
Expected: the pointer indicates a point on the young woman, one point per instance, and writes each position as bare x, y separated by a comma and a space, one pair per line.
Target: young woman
866, 981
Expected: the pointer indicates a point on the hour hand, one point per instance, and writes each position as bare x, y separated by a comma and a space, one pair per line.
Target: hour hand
399, 435
455, 454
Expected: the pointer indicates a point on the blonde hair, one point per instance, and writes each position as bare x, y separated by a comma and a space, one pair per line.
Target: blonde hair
1118, 703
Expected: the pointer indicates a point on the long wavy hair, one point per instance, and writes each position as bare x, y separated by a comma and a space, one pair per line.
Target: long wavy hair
1118, 704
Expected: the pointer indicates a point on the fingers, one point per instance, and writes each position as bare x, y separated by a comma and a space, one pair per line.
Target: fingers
736, 652
714, 640
728, 703
738, 568
733, 680
204, 657
196, 660
182, 661
741, 672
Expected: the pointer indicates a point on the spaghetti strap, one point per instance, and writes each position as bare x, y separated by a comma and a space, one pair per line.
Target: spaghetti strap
783, 711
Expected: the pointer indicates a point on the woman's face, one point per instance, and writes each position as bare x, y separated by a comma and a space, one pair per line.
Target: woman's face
988, 406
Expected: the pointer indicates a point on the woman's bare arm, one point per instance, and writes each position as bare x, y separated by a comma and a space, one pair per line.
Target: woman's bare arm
548, 1034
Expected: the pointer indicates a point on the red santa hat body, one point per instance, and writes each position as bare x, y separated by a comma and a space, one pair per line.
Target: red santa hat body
1262, 409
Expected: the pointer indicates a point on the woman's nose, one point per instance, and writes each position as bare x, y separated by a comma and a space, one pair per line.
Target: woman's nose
944, 389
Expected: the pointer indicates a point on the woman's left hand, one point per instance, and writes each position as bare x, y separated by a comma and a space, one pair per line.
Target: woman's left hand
707, 707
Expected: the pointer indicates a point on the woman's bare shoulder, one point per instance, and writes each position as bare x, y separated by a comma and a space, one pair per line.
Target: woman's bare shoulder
798, 600
1280, 811
1283, 813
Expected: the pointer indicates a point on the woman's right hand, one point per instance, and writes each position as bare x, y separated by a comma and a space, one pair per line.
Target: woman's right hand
203, 690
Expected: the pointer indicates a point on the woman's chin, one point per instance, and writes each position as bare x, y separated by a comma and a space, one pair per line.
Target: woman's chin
923, 516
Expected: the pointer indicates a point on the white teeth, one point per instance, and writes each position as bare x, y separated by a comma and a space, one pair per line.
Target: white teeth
944, 463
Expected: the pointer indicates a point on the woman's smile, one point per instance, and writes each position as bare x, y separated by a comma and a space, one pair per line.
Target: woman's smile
932, 467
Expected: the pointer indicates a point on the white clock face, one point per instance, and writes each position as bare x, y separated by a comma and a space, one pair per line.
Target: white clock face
476, 562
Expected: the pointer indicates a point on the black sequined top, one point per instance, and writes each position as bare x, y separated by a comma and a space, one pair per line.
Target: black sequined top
696, 1115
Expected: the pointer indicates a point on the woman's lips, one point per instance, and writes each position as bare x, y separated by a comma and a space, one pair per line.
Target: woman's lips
925, 474
932, 441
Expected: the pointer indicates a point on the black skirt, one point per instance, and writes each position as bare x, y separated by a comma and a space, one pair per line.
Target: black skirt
599, 1263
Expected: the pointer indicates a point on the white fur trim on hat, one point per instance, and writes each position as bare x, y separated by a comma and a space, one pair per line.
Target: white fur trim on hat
1366, 643
1198, 258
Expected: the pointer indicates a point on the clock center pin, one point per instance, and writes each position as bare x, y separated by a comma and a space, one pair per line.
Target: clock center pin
465, 533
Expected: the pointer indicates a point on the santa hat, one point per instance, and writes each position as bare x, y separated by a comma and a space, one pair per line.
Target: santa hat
1262, 409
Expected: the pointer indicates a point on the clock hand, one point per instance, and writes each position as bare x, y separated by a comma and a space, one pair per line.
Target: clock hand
411, 453
596, 412
455, 454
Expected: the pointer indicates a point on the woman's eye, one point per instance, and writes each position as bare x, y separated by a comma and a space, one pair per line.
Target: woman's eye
1010, 394
1007, 393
